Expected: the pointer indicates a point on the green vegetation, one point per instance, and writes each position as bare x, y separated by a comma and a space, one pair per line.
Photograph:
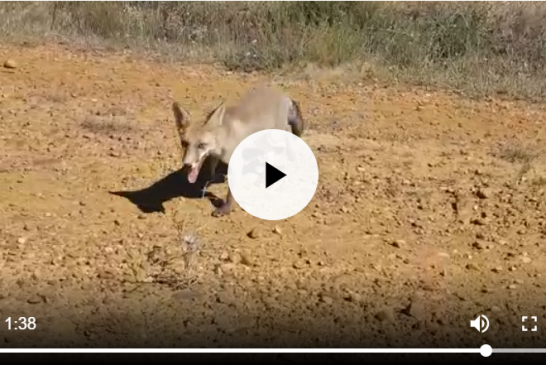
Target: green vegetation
481, 48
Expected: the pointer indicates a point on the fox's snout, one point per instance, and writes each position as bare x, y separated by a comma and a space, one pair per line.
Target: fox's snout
190, 164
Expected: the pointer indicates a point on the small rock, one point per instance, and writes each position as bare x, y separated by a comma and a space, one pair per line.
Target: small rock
246, 260
526, 260
497, 269
235, 258
483, 193
344, 209
253, 234
227, 268
414, 309
21, 240
277, 230
385, 315
35, 299
398, 243
512, 286
479, 222
300, 264
185, 294
326, 299
495, 309
471, 266
478, 245
353, 297
10, 64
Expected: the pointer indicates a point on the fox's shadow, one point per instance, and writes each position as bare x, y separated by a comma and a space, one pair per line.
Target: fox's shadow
174, 185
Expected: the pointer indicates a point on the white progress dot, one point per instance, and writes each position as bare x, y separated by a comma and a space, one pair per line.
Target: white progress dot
486, 350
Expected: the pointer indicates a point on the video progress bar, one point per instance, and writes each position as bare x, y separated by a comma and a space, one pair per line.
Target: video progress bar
520, 351
485, 351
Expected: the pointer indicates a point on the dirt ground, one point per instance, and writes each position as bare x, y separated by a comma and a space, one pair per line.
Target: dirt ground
430, 211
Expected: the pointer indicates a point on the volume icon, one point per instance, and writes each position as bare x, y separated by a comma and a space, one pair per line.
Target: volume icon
481, 323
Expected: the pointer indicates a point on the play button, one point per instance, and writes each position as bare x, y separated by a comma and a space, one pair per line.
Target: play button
273, 174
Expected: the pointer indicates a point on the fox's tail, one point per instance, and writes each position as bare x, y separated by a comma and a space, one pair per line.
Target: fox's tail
295, 119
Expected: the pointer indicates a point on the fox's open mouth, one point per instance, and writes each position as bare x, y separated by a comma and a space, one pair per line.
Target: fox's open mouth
194, 173
194, 170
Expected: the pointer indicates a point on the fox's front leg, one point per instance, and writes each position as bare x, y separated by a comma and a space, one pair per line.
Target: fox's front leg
226, 207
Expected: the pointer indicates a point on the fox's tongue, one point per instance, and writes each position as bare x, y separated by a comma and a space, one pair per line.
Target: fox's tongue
192, 176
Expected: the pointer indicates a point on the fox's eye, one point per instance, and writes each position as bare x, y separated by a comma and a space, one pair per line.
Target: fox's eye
201, 146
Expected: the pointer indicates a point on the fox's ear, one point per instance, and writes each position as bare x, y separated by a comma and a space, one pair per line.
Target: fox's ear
217, 115
181, 116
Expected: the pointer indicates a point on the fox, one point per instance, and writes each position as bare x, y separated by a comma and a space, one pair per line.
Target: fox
217, 135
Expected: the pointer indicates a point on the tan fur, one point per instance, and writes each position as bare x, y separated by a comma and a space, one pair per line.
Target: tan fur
229, 124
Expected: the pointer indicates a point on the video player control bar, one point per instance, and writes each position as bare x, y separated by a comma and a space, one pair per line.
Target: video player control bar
485, 351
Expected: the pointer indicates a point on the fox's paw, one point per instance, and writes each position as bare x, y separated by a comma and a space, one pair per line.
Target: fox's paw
224, 209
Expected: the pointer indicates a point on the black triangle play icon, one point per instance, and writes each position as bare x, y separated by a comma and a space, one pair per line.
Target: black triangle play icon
272, 175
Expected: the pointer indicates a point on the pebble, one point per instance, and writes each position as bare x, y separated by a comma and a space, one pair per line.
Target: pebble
247, 260
385, 315
478, 245
479, 222
495, 309
300, 264
414, 309
326, 299
526, 260
235, 258
353, 297
35, 299
471, 266
21, 240
253, 234
185, 294
277, 230
10, 64
398, 243
483, 193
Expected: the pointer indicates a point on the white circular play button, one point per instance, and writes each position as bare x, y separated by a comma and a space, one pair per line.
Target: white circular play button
273, 174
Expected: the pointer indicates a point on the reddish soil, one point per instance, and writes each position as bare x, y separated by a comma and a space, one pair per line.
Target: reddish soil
428, 213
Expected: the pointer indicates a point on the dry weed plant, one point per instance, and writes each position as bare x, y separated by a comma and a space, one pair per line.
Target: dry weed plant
106, 126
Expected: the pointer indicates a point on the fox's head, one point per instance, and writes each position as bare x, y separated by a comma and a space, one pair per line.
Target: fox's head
198, 140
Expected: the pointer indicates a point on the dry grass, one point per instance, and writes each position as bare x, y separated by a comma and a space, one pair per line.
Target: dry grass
106, 126
482, 48
516, 152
